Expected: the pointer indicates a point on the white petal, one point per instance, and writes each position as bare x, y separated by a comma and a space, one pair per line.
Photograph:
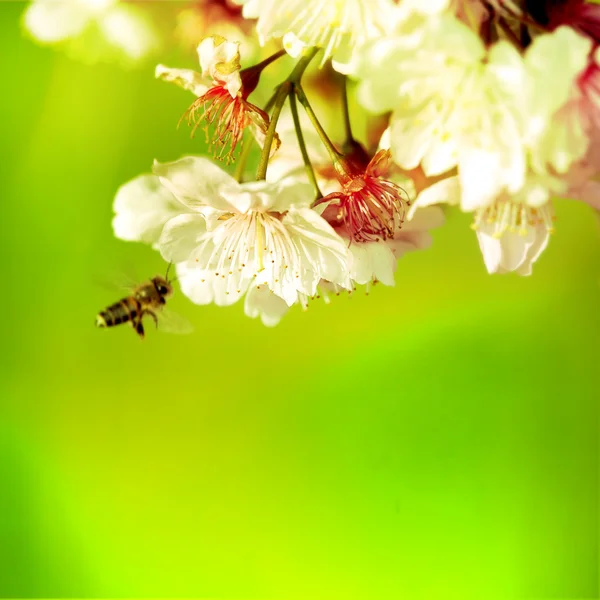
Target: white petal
197, 182
251, 8
185, 78
323, 252
535, 250
142, 206
372, 261
277, 196
181, 236
293, 45
411, 139
52, 22
441, 157
202, 287
491, 251
220, 60
359, 263
445, 191
480, 178
567, 52
512, 251
262, 302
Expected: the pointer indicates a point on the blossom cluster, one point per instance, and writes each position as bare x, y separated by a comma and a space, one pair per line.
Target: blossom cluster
489, 105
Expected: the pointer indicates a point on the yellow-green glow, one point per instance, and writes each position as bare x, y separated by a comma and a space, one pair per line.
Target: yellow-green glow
435, 441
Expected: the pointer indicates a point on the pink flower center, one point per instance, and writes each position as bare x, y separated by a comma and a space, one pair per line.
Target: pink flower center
231, 117
370, 208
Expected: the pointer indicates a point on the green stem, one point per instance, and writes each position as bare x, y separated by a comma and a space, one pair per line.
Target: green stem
336, 157
283, 91
243, 158
248, 143
280, 96
350, 142
301, 65
307, 164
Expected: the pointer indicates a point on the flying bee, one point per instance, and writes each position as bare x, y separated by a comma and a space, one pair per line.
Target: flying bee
146, 299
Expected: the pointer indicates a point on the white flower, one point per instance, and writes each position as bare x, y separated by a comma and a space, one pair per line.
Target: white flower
219, 63
337, 26
142, 206
256, 233
202, 287
457, 104
221, 96
262, 302
556, 136
92, 29
512, 231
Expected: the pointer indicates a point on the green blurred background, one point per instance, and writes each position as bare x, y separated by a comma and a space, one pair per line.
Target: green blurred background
438, 440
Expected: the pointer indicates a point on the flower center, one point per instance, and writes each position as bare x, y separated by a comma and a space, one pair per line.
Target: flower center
371, 208
231, 116
254, 246
513, 217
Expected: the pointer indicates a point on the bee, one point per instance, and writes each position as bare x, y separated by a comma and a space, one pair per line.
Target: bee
149, 298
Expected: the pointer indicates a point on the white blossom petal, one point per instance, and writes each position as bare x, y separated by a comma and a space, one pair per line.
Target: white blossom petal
553, 62
323, 253
336, 27
197, 182
446, 191
185, 78
142, 207
278, 196
202, 287
220, 60
512, 252
372, 261
534, 251
262, 302
180, 237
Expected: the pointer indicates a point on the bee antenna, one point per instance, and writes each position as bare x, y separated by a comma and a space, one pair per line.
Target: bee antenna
167, 273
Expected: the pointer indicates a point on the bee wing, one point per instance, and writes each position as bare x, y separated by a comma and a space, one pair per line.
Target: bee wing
118, 282
172, 322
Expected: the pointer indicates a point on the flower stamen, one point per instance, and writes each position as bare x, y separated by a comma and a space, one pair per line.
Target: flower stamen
513, 217
370, 208
230, 115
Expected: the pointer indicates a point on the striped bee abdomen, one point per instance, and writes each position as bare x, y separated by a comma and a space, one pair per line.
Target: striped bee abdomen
120, 312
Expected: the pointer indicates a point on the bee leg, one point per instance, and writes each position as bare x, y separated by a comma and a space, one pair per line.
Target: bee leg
139, 328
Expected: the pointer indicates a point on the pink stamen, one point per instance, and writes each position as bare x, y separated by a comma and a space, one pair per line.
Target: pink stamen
230, 115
